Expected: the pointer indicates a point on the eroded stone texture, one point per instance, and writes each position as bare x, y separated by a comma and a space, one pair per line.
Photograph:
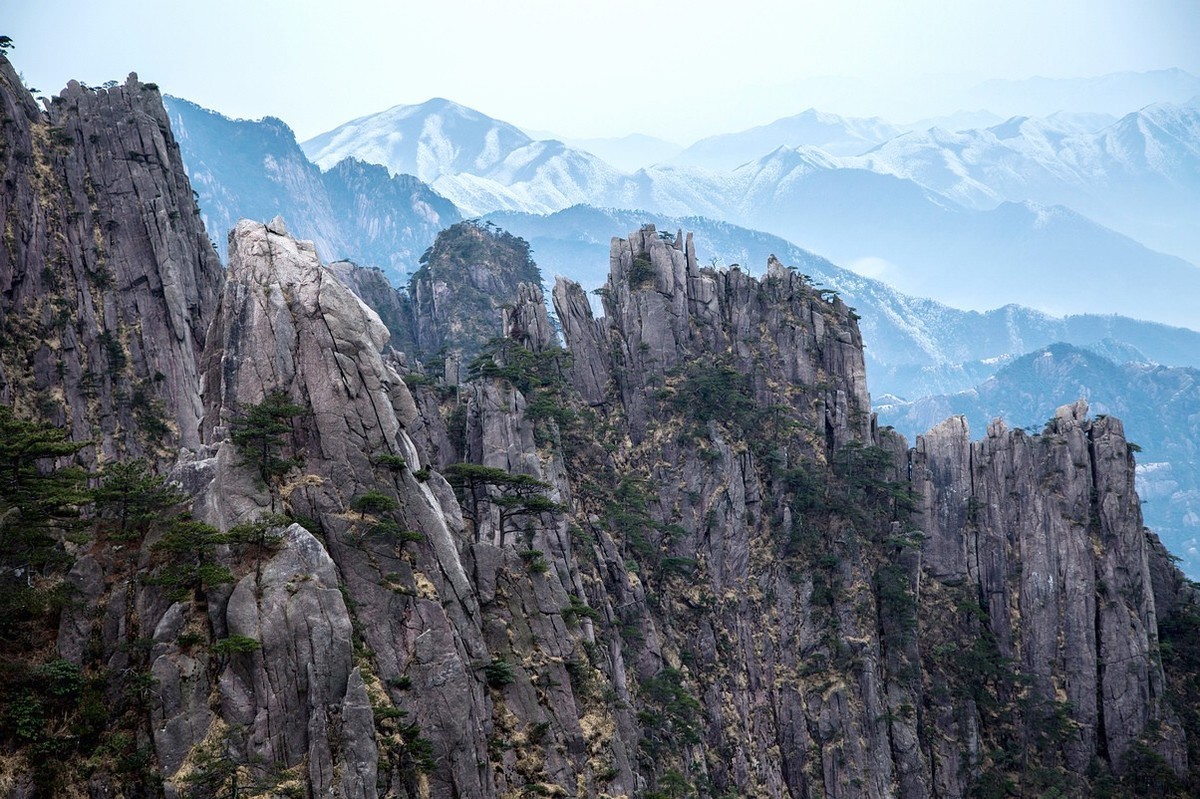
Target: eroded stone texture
108, 277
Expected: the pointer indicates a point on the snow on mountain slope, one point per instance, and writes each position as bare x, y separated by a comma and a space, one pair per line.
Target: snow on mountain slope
628, 153
540, 177
256, 170
1139, 175
435, 138
834, 134
939, 214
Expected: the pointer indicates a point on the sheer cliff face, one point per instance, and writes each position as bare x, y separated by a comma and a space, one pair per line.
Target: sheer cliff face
1047, 531
108, 277
747, 590
930, 616
664, 312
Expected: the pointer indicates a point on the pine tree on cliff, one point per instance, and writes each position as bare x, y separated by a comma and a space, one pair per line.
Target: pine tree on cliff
39, 507
259, 434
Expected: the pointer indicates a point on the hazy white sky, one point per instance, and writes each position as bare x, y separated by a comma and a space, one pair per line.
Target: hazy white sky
676, 69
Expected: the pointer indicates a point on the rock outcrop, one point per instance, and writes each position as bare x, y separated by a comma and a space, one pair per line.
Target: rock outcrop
469, 273
108, 277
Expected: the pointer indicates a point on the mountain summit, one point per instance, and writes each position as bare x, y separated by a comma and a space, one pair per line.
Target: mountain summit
438, 137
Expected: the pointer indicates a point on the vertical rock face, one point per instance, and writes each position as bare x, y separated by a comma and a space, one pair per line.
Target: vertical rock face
663, 311
287, 324
392, 305
108, 278
1046, 530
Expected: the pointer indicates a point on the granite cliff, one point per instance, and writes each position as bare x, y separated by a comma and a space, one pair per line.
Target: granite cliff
669, 555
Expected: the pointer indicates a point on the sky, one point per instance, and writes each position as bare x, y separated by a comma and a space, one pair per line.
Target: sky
579, 68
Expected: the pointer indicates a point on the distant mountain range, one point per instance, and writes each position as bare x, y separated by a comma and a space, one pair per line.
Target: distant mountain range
916, 348
834, 134
1115, 93
1139, 175
1159, 405
256, 170
976, 219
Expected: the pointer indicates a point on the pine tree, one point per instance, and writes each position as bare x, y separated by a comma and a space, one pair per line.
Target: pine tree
259, 434
39, 509
131, 499
190, 563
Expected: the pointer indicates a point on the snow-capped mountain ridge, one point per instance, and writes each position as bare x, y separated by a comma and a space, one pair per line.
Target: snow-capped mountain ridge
913, 210
437, 137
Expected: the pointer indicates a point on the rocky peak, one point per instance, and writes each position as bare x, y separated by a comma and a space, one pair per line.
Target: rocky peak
1048, 530
662, 312
470, 273
109, 278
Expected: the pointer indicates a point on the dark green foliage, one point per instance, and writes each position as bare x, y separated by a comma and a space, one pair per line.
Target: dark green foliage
527, 370
1179, 648
400, 742
115, 353
390, 462
498, 673
535, 559
1147, 774
401, 683
39, 509
259, 434
865, 487
214, 772
236, 645
577, 609
671, 718
188, 559
671, 785
259, 537
629, 517
130, 499
712, 390
38, 705
517, 496
641, 272
374, 502
897, 605
709, 389
681, 567
540, 377
480, 265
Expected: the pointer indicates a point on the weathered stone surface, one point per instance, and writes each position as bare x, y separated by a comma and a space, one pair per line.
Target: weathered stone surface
663, 311
109, 278
1048, 530
289, 694
588, 340
286, 323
